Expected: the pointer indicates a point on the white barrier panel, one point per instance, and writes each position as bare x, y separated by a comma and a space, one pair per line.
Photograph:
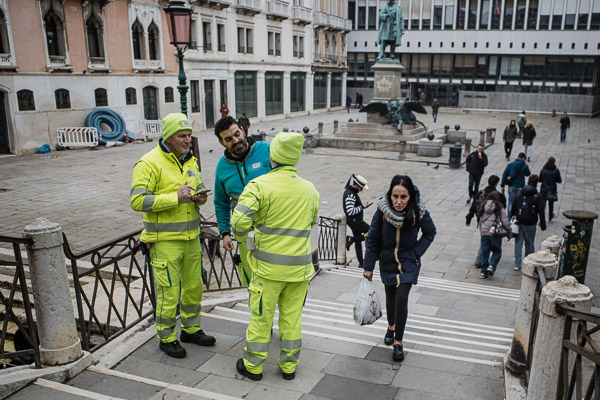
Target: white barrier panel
73, 137
152, 128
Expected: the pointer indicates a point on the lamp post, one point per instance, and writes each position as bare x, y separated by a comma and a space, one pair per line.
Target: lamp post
179, 22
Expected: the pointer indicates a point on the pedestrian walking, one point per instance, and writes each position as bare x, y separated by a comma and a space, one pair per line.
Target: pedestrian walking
354, 210
476, 163
224, 110
281, 207
243, 160
394, 241
435, 106
476, 209
510, 134
514, 176
528, 207
528, 136
491, 245
565, 125
244, 123
348, 103
167, 188
357, 100
550, 178
360, 100
521, 121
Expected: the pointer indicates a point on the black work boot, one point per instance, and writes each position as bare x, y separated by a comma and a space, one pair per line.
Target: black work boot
349, 241
288, 376
199, 338
173, 349
241, 368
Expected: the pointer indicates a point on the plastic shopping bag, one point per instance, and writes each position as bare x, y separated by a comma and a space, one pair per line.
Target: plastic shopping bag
367, 308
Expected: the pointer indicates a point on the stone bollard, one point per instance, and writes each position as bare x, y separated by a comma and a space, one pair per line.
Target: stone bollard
320, 129
335, 126
543, 376
402, 150
446, 128
517, 358
468, 142
552, 243
285, 129
340, 257
482, 137
308, 147
59, 343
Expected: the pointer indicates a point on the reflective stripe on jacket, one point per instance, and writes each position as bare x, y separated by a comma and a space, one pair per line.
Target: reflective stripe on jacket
282, 208
156, 178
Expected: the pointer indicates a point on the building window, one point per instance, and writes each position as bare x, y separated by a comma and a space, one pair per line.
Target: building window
130, 96
508, 15
55, 39
245, 41
273, 93
207, 35
169, 95
437, 17
221, 37
95, 41
245, 93
63, 99
274, 43
153, 42
4, 46
297, 90
298, 46
352, 13
195, 95
317, 46
484, 14
137, 36
362, 19
532, 14
372, 25
449, 17
336, 90
25, 99
320, 90
101, 97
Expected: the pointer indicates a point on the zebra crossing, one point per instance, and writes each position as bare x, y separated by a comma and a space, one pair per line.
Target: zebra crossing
425, 334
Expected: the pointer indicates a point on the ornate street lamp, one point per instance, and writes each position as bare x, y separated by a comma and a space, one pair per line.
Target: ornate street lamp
180, 30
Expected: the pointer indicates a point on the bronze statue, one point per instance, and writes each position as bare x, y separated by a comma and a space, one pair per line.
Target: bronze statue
391, 28
397, 113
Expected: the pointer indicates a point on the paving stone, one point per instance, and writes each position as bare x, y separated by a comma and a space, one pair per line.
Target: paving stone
436, 382
196, 356
221, 365
264, 392
472, 388
39, 392
229, 386
335, 346
113, 386
335, 387
153, 370
361, 369
408, 394
168, 394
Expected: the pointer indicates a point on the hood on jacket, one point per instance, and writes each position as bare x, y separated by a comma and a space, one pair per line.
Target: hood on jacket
550, 166
490, 206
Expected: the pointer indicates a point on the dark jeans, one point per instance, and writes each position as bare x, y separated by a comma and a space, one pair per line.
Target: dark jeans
474, 184
490, 244
358, 231
508, 148
396, 305
526, 235
563, 134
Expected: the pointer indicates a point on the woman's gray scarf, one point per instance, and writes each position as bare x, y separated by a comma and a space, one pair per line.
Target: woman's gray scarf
396, 218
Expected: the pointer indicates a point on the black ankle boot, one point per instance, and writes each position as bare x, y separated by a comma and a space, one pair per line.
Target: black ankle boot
398, 353
388, 339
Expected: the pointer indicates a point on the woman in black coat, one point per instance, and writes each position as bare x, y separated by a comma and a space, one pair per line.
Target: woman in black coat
394, 240
550, 177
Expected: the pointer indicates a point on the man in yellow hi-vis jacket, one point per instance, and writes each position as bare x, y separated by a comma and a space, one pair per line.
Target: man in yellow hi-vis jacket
282, 208
167, 188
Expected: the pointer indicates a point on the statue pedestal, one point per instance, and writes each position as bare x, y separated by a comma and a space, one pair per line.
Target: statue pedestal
388, 78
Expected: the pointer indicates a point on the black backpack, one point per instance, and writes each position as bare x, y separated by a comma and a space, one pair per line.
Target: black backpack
526, 209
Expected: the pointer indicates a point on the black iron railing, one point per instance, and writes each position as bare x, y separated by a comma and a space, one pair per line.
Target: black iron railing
221, 271
25, 342
328, 238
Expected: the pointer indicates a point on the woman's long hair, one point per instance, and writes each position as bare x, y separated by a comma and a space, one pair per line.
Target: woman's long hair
495, 197
412, 208
551, 161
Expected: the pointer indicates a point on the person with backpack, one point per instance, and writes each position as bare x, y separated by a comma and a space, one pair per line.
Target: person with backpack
510, 134
528, 135
521, 121
514, 176
476, 209
528, 207
491, 244
550, 177
476, 163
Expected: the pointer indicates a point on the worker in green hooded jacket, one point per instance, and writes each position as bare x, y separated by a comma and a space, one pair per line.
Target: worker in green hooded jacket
274, 216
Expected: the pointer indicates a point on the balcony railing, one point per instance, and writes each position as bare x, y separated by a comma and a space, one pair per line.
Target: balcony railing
218, 4
97, 63
336, 22
301, 15
6, 59
222, 47
347, 25
58, 60
248, 6
317, 55
299, 54
147, 65
319, 18
278, 9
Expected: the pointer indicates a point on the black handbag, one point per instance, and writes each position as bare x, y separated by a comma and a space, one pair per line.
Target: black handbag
498, 229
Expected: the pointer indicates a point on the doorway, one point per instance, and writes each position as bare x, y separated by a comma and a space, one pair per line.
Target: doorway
150, 103
4, 142
209, 103
223, 88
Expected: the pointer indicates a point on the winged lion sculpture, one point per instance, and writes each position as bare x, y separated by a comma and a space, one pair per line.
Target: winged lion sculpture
397, 113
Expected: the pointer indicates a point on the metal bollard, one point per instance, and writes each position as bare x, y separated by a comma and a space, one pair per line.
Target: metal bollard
517, 358
545, 365
446, 128
402, 150
454, 158
574, 252
467, 147
59, 343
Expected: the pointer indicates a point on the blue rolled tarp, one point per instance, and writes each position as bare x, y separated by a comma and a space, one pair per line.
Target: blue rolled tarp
118, 130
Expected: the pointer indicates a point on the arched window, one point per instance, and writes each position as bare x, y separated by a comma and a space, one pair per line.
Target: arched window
63, 99
130, 96
169, 95
137, 36
153, 42
54, 34
25, 99
95, 41
101, 97
4, 46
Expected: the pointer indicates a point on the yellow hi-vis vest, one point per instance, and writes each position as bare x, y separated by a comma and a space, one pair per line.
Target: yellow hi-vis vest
156, 178
282, 208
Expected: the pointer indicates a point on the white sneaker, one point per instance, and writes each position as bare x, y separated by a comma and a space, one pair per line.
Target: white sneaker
490, 271
516, 268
